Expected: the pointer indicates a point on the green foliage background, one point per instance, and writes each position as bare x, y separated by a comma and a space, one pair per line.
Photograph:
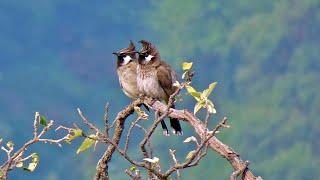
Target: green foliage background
55, 56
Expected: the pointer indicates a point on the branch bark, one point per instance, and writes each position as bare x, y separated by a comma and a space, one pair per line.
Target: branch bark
102, 166
214, 143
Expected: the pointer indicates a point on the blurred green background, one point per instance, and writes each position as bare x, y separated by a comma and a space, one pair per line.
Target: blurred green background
55, 56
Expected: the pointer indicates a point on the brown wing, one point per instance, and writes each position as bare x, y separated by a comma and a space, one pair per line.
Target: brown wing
166, 78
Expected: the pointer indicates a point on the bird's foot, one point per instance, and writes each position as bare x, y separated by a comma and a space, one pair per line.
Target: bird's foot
178, 133
165, 133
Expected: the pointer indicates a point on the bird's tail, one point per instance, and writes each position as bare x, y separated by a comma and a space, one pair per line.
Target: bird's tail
175, 124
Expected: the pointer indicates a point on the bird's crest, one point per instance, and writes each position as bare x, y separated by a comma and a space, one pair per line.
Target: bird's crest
149, 48
130, 49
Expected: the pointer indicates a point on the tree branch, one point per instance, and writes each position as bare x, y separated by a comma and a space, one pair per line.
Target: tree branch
102, 166
214, 143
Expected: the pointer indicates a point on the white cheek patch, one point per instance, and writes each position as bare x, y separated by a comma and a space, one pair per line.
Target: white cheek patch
126, 60
149, 57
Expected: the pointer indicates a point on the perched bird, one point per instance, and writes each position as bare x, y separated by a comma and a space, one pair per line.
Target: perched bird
155, 79
127, 70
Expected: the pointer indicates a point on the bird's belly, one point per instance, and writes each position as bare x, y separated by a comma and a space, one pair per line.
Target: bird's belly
130, 90
128, 82
150, 87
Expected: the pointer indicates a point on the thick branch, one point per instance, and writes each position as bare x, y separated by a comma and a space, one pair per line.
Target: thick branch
225, 151
102, 166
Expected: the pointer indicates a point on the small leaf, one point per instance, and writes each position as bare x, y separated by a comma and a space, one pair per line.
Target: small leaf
154, 160
10, 144
31, 167
189, 139
87, 143
208, 91
43, 121
184, 75
75, 133
137, 109
197, 107
176, 84
190, 154
34, 162
211, 110
142, 114
133, 168
190, 89
186, 66
210, 107
1, 173
196, 95
19, 164
35, 158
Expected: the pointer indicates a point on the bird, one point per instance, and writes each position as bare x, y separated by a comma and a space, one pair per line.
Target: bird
127, 70
155, 79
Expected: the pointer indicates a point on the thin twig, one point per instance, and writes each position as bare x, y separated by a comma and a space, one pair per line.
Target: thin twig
173, 155
106, 119
129, 133
89, 124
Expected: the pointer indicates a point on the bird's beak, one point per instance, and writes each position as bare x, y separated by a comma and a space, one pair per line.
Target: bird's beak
115, 53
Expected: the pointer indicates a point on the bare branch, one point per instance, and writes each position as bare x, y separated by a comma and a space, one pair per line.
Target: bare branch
200, 128
173, 155
102, 166
133, 124
13, 160
89, 124
106, 119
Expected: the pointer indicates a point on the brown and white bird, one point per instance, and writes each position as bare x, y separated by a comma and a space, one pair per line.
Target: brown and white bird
155, 79
127, 70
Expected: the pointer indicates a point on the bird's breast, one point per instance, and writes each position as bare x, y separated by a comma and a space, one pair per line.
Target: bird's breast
148, 84
128, 81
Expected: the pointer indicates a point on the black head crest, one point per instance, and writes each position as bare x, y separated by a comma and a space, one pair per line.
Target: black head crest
131, 46
149, 48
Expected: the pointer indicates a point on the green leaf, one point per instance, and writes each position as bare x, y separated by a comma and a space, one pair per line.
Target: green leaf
19, 164
184, 75
208, 91
43, 121
189, 139
133, 168
176, 84
193, 92
75, 133
142, 114
196, 95
10, 144
210, 107
1, 173
186, 66
34, 162
197, 107
190, 154
154, 160
190, 89
87, 143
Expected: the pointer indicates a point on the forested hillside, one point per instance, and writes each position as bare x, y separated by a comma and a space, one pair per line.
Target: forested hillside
56, 55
